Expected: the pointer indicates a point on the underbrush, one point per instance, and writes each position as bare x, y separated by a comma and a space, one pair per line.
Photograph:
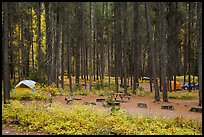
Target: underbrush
80, 119
28, 95
184, 95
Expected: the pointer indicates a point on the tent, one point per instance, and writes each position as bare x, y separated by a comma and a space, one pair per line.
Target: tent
178, 85
25, 85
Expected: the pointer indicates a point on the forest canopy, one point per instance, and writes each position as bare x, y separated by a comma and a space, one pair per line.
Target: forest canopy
45, 41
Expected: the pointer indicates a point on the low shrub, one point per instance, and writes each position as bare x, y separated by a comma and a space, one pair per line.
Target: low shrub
77, 86
28, 95
184, 95
84, 93
141, 93
80, 119
98, 86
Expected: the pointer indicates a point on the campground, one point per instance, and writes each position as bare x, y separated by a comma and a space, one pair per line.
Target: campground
181, 107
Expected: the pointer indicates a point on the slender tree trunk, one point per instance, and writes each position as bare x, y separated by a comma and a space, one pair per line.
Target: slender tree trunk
149, 52
189, 47
157, 97
185, 47
69, 66
79, 40
32, 47
117, 39
135, 43
164, 49
109, 43
48, 42
124, 47
175, 45
22, 51
102, 45
6, 58
62, 54
200, 54
90, 50
83, 45
39, 41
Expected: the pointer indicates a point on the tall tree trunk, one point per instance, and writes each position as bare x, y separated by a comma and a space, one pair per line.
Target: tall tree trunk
153, 55
90, 50
11, 46
164, 48
32, 46
79, 40
62, 53
200, 53
149, 51
48, 42
135, 45
117, 40
109, 43
102, 45
69, 65
6, 58
185, 48
39, 41
189, 46
175, 45
94, 42
83, 46
125, 38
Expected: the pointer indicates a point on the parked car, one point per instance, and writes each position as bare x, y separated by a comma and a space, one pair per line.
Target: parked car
192, 86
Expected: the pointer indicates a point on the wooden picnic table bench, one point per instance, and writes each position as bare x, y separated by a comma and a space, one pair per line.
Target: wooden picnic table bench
121, 95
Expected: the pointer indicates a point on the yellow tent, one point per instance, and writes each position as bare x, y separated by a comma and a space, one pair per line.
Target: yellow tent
27, 85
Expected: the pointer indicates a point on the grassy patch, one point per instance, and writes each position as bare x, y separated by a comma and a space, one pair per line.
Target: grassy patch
184, 95
86, 120
28, 95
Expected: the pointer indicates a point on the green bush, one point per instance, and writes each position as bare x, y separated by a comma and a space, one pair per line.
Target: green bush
104, 92
98, 86
141, 93
184, 95
33, 75
84, 93
80, 119
28, 95
181, 78
77, 86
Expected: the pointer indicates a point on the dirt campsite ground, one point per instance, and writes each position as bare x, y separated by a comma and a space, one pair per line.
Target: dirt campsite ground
181, 108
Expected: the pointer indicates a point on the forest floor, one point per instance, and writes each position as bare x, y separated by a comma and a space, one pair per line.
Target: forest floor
181, 108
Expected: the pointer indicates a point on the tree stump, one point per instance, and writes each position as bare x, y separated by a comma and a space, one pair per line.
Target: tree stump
100, 100
196, 109
89, 103
170, 107
75, 98
142, 105
113, 103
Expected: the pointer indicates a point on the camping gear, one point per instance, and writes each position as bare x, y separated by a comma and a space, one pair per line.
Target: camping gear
27, 85
178, 86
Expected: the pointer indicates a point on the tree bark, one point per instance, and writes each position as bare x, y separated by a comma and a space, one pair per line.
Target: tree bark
189, 47
164, 49
135, 45
39, 41
6, 58
90, 50
157, 97
48, 42
69, 65
200, 53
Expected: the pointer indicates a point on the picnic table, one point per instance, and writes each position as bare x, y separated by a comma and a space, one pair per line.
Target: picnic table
121, 95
